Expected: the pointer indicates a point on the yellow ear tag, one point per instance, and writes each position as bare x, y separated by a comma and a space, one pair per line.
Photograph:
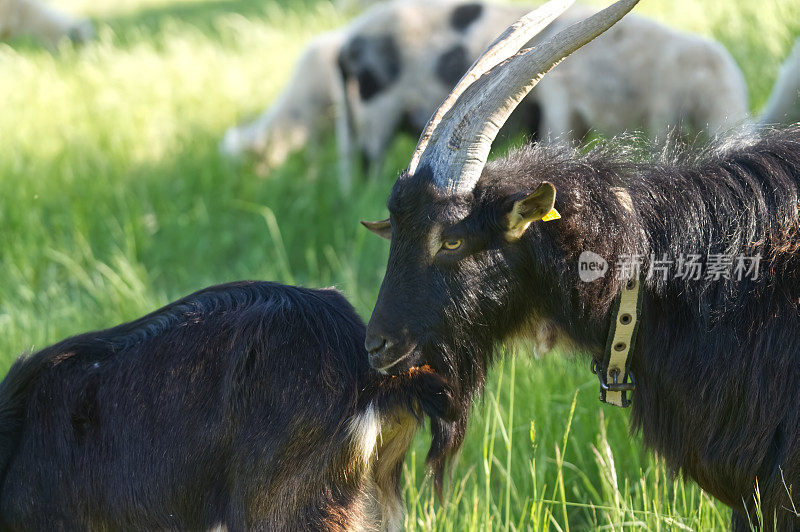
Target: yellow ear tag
552, 215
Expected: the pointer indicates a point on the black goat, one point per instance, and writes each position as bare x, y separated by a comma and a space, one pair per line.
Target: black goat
249, 406
471, 264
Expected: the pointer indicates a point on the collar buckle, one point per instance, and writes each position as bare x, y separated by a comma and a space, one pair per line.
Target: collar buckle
615, 385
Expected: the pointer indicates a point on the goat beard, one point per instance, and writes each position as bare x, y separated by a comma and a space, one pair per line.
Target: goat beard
449, 409
445, 396
447, 436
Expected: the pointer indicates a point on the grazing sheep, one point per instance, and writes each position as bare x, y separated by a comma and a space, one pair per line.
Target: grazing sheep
400, 58
31, 17
303, 112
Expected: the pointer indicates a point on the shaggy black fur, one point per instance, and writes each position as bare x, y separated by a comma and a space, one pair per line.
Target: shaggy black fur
718, 362
232, 406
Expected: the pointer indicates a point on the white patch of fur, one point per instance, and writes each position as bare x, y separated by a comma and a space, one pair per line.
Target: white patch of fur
394, 518
624, 198
365, 429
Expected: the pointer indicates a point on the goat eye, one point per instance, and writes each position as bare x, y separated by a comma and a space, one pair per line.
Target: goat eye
451, 245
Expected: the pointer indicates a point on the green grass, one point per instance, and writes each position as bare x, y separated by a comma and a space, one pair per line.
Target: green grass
114, 200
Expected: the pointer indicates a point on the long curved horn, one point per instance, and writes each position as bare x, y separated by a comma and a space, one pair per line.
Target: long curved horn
504, 46
458, 146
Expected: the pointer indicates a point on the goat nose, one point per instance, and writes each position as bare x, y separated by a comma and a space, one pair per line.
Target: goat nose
374, 343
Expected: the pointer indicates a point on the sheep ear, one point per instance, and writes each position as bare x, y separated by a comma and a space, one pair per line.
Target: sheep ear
538, 205
383, 228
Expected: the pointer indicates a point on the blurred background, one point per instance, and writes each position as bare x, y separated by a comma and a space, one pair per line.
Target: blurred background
115, 199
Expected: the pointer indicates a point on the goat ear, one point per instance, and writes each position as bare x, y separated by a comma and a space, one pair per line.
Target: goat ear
383, 228
538, 205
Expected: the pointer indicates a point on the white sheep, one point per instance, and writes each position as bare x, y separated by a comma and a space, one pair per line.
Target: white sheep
304, 111
399, 59
783, 105
31, 17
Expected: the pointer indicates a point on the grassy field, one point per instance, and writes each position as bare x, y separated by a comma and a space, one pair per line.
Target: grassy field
114, 200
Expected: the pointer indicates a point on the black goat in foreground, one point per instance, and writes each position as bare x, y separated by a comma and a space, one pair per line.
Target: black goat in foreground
248, 406
472, 263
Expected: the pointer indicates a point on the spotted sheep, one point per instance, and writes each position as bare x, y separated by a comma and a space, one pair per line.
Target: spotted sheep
399, 59
481, 252
32, 17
